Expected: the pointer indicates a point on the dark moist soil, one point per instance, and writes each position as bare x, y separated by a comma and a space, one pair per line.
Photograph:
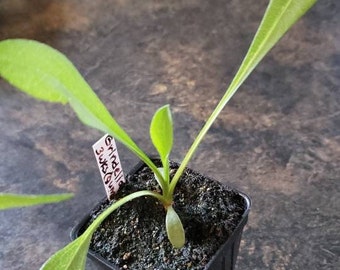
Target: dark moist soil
134, 236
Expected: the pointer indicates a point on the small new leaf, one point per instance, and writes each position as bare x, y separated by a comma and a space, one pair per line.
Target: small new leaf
161, 131
8, 200
174, 228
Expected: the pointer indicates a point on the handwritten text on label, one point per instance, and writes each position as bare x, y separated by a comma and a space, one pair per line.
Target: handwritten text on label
110, 168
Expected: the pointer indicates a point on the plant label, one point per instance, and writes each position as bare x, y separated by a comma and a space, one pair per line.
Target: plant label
110, 168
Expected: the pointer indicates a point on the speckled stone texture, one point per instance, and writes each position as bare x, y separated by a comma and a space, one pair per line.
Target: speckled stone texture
278, 140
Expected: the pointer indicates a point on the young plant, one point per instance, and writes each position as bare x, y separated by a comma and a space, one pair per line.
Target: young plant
46, 74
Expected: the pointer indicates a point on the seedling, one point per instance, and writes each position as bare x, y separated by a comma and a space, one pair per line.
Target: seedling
46, 74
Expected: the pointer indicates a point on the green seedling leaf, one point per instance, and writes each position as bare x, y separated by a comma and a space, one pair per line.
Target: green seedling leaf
73, 256
161, 133
174, 228
278, 18
47, 74
8, 200
161, 171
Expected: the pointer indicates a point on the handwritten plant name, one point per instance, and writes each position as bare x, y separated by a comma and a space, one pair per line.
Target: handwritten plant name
110, 168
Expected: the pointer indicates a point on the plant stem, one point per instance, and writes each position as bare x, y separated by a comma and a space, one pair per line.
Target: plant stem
121, 202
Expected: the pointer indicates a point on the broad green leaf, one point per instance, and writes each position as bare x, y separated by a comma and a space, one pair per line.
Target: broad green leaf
174, 228
8, 200
278, 18
46, 74
161, 133
73, 256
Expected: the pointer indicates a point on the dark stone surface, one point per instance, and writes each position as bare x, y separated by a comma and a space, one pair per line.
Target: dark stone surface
278, 140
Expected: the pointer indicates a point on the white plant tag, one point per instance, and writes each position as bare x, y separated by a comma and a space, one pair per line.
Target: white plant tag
110, 168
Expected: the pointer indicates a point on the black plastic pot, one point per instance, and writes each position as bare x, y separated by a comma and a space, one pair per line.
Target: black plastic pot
224, 258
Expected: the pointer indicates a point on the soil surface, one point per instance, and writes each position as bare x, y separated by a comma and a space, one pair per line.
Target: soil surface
134, 237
